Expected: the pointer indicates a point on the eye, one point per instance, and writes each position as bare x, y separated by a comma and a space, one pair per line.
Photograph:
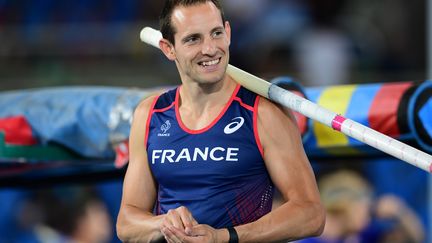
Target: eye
191, 40
217, 33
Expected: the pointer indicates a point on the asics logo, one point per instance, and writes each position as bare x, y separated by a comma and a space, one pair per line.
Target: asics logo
234, 126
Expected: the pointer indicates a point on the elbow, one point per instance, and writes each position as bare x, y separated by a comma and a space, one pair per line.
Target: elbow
135, 230
124, 229
318, 221
121, 230
121, 235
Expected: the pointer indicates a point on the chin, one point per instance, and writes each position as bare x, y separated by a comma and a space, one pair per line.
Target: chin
214, 81
211, 79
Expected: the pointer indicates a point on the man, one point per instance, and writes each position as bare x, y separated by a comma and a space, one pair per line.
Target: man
205, 156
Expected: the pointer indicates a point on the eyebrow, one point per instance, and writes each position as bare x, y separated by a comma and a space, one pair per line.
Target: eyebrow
197, 35
219, 28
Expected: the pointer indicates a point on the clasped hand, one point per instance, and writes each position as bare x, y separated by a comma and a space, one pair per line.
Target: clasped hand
179, 225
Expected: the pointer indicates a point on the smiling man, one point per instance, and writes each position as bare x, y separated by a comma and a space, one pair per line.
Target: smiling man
207, 156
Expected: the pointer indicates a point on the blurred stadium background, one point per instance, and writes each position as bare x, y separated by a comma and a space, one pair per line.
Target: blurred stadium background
47, 43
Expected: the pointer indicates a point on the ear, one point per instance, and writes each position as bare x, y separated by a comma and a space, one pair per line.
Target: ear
228, 31
167, 48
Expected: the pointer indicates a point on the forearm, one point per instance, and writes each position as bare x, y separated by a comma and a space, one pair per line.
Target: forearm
291, 221
135, 225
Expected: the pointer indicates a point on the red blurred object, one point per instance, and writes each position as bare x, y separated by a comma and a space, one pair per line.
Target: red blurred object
17, 131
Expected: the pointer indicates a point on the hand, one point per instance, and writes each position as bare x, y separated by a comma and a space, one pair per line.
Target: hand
200, 233
180, 218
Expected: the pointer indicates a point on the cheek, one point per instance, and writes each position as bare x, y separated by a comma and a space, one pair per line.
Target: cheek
185, 57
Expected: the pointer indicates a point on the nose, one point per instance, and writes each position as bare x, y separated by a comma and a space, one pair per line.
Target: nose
209, 47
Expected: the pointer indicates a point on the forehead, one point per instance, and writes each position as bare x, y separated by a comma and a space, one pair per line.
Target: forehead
196, 18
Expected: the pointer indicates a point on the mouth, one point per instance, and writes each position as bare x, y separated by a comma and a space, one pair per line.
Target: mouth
210, 63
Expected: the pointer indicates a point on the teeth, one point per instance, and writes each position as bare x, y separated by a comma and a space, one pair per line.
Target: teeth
209, 63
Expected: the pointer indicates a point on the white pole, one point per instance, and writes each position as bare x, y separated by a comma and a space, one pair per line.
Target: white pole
349, 127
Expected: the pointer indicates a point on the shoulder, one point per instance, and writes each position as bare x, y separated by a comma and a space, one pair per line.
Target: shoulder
143, 108
268, 111
276, 125
139, 121
265, 106
158, 98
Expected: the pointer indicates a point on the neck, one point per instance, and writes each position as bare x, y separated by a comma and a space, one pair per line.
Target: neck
200, 105
202, 96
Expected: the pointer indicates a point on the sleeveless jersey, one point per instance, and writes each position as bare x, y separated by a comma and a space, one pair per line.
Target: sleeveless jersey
217, 172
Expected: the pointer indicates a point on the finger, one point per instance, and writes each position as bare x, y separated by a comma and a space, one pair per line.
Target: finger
166, 234
171, 236
187, 219
169, 221
178, 233
173, 219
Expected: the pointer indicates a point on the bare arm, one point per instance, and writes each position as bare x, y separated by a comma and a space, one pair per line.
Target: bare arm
135, 222
302, 214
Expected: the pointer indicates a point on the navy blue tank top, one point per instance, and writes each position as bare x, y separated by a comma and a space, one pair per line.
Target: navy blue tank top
217, 172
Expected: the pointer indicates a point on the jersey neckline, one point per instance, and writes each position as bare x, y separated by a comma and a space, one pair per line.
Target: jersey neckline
206, 128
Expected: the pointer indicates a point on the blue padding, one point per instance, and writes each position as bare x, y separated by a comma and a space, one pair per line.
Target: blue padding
424, 114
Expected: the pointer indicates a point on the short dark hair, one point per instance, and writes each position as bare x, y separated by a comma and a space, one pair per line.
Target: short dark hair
165, 24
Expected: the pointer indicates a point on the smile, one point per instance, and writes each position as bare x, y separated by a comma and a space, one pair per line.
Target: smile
210, 63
